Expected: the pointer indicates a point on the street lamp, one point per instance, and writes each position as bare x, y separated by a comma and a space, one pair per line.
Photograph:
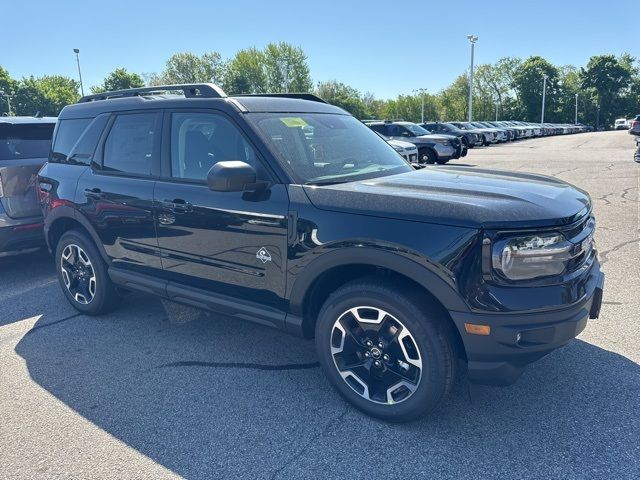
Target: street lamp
497, 102
8, 97
544, 94
421, 91
576, 119
77, 52
472, 39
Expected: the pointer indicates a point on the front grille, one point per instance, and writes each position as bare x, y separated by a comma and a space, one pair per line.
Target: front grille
413, 158
581, 236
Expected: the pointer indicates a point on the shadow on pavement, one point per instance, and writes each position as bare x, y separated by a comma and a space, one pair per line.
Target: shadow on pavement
214, 397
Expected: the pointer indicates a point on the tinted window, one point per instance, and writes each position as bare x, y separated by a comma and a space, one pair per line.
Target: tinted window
379, 128
200, 140
130, 143
25, 140
67, 134
85, 147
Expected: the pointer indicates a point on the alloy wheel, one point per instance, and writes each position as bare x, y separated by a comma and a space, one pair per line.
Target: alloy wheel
376, 355
78, 274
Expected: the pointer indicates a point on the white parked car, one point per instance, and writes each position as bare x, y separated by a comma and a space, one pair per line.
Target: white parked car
408, 150
621, 124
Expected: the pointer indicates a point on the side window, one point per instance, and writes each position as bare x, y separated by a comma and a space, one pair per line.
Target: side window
200, 140
85, 147
67, 134
378, 128
129, 147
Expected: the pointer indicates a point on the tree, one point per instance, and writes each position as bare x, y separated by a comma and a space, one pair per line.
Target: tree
47, 95
286, 69
343, 96
190, 68
119, 79
453, 100
528, 81
246, 73
8, 87
608, 76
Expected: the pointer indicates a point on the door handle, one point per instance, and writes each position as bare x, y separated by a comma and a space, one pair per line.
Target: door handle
177, 205
93, 193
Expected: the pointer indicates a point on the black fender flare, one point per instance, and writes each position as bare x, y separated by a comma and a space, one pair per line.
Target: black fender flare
443, 290
67, 212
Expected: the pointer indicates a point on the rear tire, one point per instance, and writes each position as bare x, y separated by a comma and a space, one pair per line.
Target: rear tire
83, 274
365, 322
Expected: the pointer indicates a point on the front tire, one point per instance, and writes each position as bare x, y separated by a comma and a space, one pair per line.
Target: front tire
384, 351
83, 274
427, 156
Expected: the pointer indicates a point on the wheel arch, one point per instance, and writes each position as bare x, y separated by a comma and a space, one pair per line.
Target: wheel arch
62, 219
333, 269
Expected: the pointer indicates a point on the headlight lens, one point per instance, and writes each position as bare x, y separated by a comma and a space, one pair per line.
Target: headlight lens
397, 148
527, 257
442, 141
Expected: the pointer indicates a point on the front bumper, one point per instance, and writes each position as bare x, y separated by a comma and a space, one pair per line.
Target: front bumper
517, 340
444, 152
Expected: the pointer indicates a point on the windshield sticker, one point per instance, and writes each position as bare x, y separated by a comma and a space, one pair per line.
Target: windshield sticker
293, 122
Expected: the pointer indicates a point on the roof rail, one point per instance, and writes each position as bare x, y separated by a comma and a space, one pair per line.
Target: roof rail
302, 96
190, 90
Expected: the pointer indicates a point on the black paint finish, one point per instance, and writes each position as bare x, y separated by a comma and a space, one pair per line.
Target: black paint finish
258, 254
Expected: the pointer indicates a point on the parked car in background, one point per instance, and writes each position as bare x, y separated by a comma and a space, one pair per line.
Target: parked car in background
24, 147
501, 134
620, 124
407, 150
431, 148
470, 139
287, 211
488, 136
635, 131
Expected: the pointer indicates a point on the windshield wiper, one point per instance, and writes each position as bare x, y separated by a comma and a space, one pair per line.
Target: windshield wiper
326, 182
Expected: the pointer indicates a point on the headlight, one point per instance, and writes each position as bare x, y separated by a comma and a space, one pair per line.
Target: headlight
527, 257
397, 148
442, 141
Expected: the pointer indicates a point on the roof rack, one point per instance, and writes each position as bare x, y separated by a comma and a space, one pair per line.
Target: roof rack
190, 90
302, 96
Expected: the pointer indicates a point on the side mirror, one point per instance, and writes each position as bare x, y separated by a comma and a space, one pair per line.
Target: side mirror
231, 176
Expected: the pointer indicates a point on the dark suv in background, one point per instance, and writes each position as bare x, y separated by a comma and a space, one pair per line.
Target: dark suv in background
470, 139
287, 211
24, 147
432, 148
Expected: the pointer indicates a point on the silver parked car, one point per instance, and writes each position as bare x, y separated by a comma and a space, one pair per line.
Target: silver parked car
24, 148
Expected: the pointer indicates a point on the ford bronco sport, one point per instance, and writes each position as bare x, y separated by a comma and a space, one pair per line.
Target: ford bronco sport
287, 211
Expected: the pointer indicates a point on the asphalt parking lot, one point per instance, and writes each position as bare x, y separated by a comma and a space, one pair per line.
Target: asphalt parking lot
156, 390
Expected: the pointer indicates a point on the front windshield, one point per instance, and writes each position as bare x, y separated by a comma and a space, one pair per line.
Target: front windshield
327, 148
417, 129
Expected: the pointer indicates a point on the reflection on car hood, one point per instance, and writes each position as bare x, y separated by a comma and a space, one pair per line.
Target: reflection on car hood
461, 196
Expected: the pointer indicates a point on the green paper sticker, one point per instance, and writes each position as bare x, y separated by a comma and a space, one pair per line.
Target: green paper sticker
293, 122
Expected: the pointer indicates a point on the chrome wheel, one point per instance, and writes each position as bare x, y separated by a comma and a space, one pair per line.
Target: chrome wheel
376, 355
78, 274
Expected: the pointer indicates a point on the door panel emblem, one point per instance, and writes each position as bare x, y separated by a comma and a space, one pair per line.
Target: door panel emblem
263, 255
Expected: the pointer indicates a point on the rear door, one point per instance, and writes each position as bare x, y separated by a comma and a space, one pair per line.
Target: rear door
116, 193
24, 149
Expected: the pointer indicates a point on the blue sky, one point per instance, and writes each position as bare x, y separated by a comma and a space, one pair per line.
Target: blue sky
385, 47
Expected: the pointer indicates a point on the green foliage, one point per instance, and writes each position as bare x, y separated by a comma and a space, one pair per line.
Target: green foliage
8, 87
286, 69
610, 77
47, 95
345, 97
188, 67
528, 82
119, 79
246, 73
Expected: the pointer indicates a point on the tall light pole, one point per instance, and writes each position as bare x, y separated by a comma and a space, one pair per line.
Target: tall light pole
421, 91
472, 39
496, 110
8, 97
77, 52
544, 95
576, 120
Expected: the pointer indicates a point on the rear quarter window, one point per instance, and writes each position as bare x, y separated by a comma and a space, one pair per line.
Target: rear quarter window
67, 134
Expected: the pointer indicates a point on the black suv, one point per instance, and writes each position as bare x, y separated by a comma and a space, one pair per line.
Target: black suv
287, 211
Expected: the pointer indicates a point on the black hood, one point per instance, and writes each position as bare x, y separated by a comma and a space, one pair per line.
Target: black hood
459, 196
